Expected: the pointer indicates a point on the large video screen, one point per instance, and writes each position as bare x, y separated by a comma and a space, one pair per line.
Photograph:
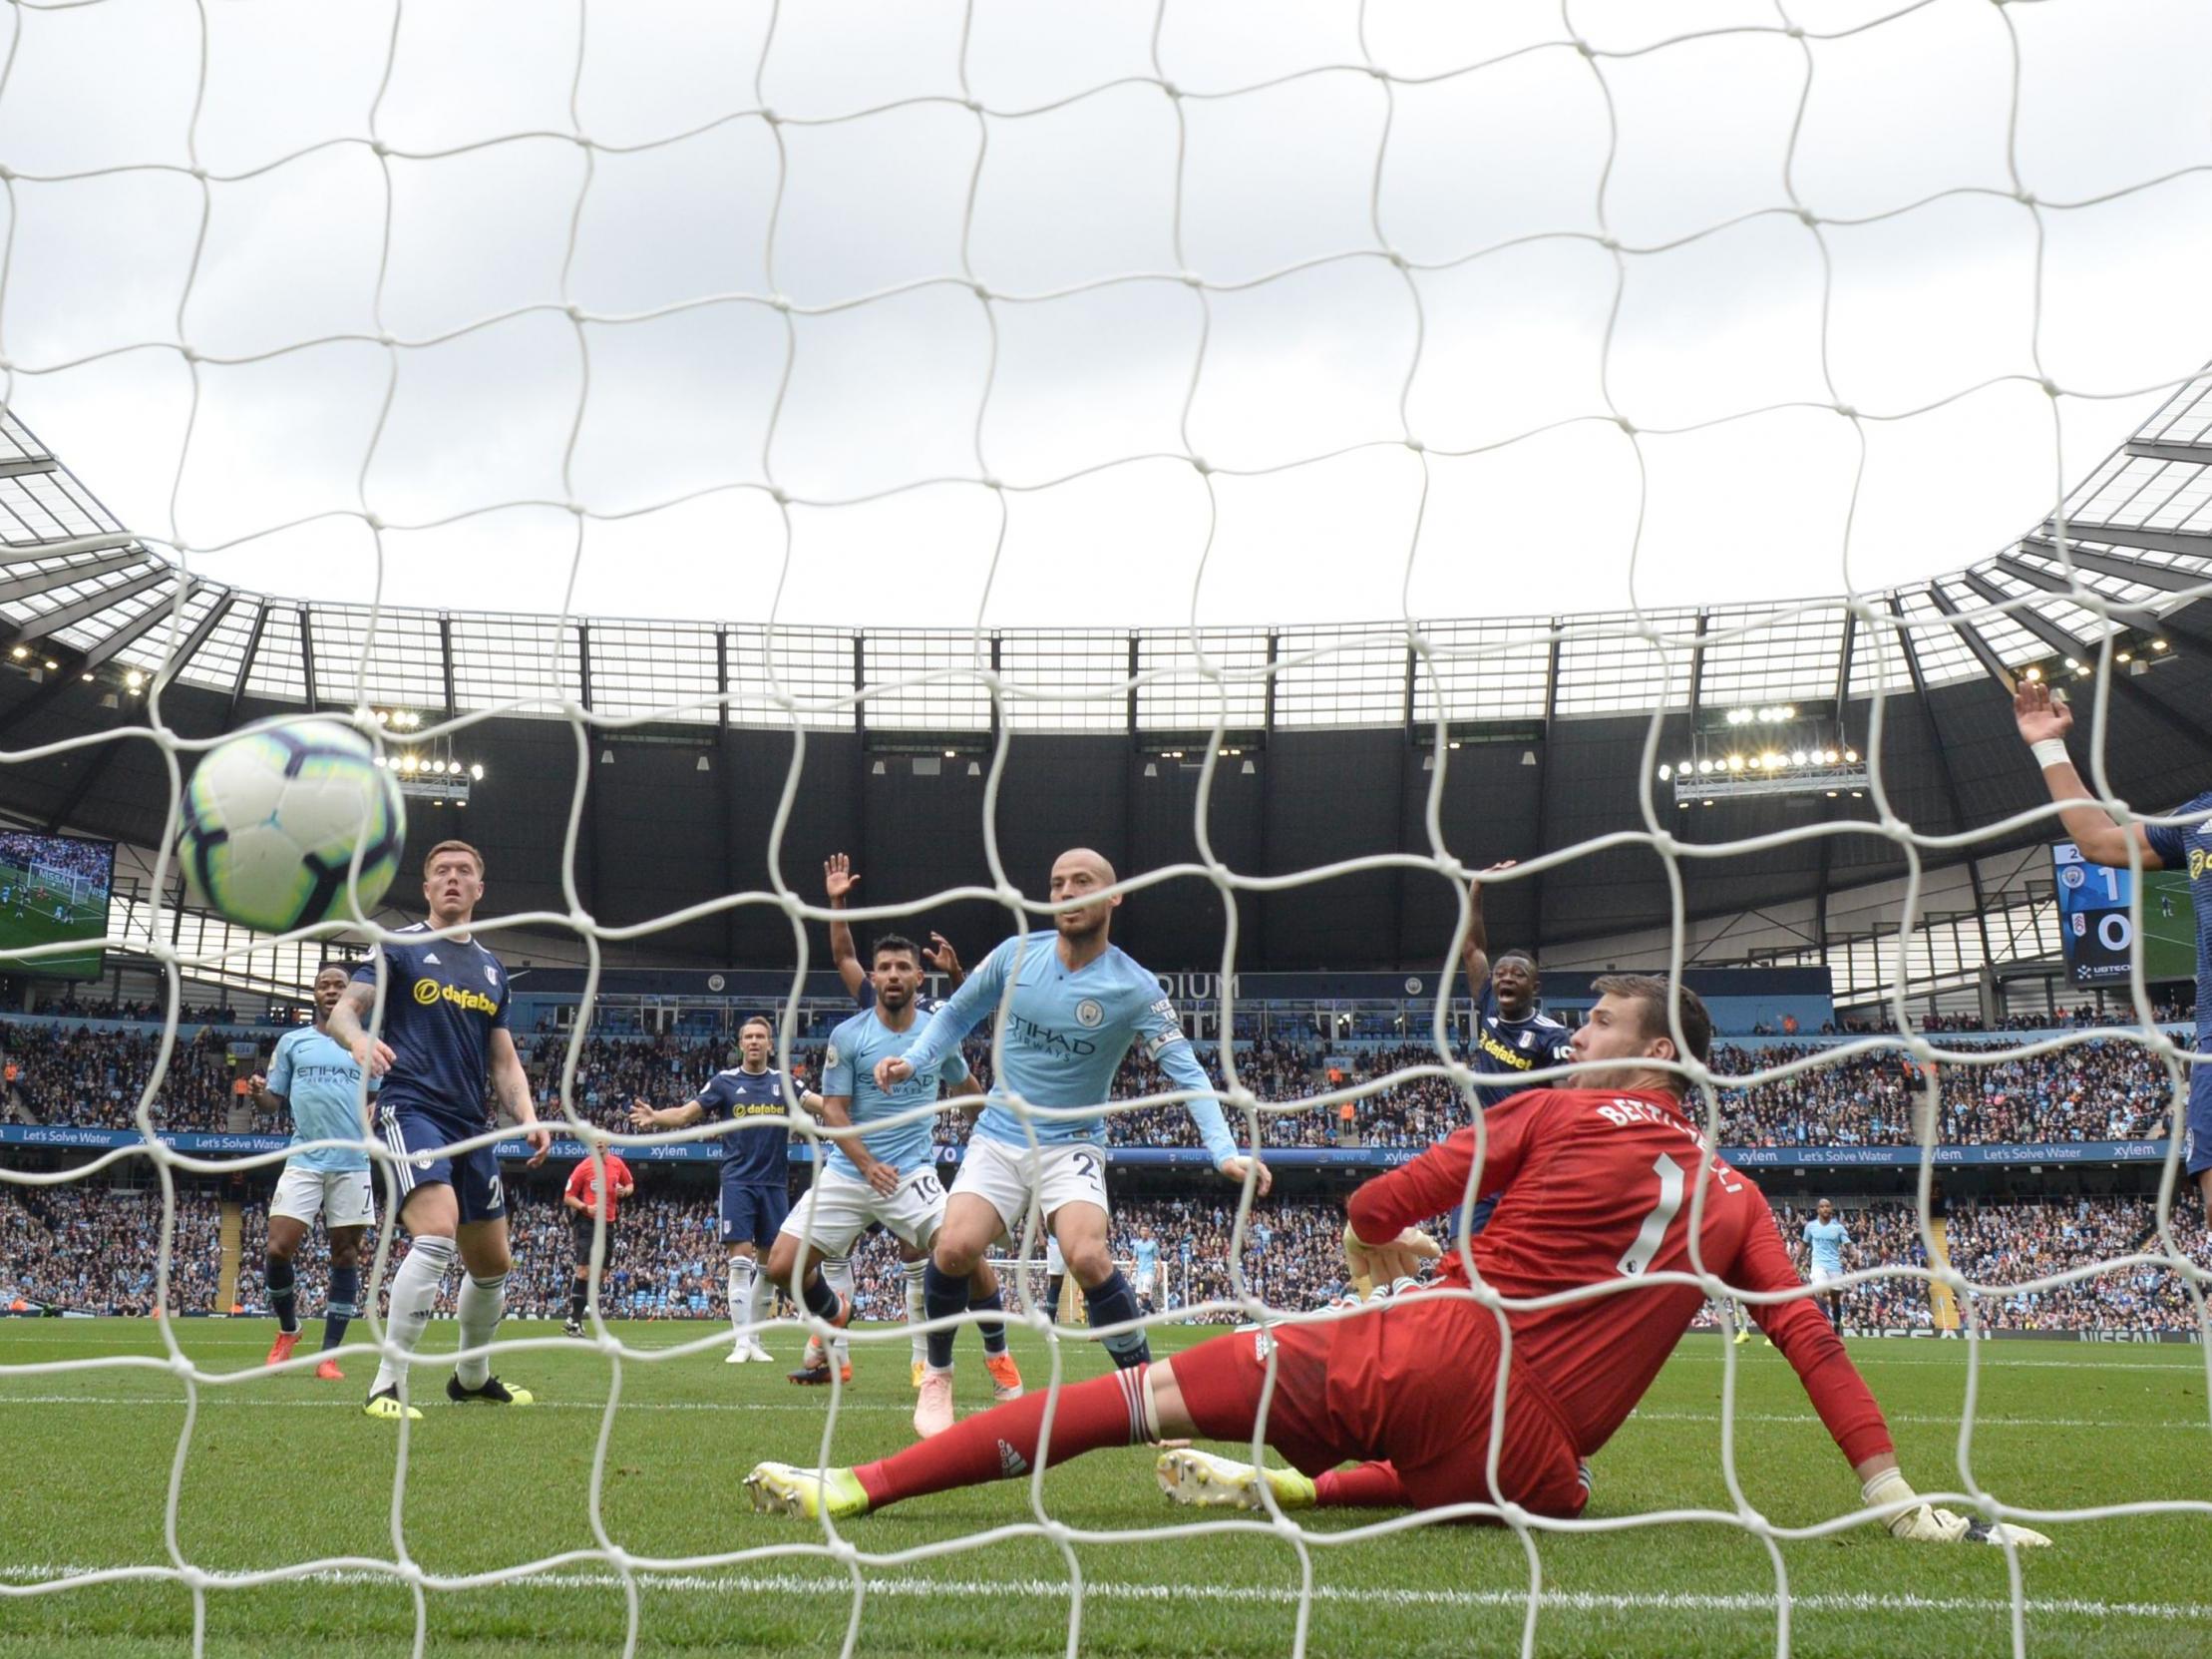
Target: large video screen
53, 888
2098, 932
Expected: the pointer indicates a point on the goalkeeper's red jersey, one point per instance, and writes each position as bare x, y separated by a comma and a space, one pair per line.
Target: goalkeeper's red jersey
1595, 1187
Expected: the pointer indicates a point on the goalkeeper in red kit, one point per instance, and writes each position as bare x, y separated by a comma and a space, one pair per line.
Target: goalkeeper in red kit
1595, 1187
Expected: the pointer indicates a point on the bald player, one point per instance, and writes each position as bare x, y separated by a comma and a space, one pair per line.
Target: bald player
1075, 1003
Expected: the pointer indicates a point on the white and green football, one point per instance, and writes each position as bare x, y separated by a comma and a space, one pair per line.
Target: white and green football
271, 819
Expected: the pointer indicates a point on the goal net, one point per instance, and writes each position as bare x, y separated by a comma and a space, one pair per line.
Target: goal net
1552, 373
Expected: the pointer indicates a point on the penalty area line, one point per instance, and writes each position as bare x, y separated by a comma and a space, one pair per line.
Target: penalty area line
1572, 1601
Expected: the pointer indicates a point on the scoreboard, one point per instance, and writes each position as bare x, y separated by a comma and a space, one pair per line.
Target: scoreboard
2098, 927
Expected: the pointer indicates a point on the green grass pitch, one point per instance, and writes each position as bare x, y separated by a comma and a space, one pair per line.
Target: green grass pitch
37, 927
280, 1470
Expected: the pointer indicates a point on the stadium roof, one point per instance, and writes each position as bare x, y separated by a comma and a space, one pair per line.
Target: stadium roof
1551, 718
2137, 534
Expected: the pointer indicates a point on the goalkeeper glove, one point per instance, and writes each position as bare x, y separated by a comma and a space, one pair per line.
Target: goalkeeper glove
1927, 1524
1383, 1264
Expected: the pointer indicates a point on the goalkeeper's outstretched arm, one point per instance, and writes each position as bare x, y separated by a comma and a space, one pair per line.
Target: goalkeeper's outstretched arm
1847, 1406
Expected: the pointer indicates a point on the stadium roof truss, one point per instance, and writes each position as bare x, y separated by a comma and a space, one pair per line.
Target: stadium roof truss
2134, 544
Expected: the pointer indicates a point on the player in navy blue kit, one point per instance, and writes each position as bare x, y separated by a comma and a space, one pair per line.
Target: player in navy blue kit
837, 880
756, 1170
1510, 1038
444, 1026
2045, 719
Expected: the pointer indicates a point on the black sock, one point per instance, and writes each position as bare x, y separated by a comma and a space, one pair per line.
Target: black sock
283, 1292
1052, 1288
942, 1294
994, 1330
344, 1304
822, 1301
577, 1289
1110, 1304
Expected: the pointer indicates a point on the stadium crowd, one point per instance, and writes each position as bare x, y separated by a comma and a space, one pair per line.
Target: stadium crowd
2103, 1089
91, 1246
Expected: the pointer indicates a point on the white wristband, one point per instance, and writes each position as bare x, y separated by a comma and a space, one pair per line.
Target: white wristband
1890, 1487
2051, 751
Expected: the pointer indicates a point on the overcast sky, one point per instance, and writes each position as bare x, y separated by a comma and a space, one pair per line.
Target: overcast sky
1925, 305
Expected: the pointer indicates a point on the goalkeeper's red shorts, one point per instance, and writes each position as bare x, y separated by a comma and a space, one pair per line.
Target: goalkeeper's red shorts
1414, 1382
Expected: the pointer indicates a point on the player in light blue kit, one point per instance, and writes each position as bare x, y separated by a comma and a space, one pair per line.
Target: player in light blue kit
889, 1174
1146, 1252
1077, 1005
1826, 1239
318, 1082
2045, 719
839, 878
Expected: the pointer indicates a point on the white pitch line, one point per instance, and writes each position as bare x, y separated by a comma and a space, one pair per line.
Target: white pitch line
1577, 1601
1992, 1363
210, 1397
1982, 1419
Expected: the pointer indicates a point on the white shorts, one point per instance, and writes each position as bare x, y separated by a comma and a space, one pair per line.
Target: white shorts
829, 1216
1821, 1275
1008, 1179
342, 1197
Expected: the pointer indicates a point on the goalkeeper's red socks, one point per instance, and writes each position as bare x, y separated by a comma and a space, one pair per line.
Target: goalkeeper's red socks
1003, 1444
1363, 1487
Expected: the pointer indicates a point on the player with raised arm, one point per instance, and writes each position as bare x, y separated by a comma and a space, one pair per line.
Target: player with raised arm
756, 1170
839, 878
1595, 1184
2043, 720
888, 1174
319, 1083
445, 1025
1076, 1004
585, 1197
1826, 1239
1510, 1038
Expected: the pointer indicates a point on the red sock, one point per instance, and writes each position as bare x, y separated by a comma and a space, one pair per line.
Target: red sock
1002, 1443
1363, 1487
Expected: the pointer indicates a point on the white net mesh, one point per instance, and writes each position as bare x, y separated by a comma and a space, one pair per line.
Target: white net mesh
989, 293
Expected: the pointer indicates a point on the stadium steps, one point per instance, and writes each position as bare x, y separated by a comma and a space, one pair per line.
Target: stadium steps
1941, 1302
234, 1236
34, 1207
18, 1105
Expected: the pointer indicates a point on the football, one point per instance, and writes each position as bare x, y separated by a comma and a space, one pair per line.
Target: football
271, 819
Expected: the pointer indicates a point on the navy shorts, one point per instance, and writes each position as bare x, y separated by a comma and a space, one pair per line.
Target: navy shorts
753, 1211
416, 1141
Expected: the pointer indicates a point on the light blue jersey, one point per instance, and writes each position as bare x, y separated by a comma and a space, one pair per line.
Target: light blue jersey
848, 1068
1148, 1260
1827, 1239
321, 1084
1064, 1037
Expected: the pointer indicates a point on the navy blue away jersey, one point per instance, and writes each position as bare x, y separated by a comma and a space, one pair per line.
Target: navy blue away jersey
757, 1150
443, 1000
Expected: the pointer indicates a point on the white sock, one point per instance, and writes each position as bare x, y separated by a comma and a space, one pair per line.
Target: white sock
837, 1273
739, 1289
483, 1305
916, 1312
414, 1289
757, 1290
